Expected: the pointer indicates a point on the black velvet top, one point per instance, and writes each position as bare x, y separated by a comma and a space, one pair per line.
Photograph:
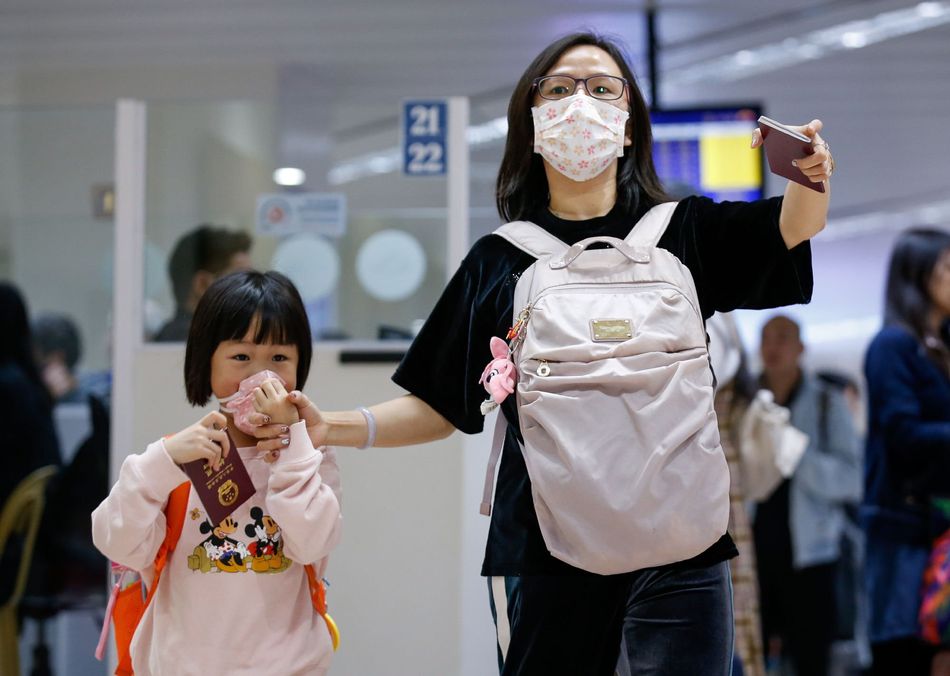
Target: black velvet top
738, 259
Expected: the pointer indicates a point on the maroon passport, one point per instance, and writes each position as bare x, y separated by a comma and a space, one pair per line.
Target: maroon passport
782, 145
223, 491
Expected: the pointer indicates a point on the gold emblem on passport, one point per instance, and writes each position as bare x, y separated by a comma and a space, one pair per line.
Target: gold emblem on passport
610, 330
228, 493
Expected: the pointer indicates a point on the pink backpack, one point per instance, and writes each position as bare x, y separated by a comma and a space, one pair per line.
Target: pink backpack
615, 399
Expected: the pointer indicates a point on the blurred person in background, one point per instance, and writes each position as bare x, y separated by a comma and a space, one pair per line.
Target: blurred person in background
81, 418
27, 436
58, 347
852, 651
907, 463
798, 528
761, 448
735, 391
200, 257
853, 396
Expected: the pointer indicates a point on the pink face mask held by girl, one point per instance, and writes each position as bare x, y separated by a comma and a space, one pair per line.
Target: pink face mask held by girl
241, 404
579, 135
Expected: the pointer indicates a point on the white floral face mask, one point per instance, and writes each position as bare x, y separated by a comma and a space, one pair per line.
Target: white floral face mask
579, 135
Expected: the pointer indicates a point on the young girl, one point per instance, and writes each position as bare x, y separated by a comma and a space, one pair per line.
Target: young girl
234, 595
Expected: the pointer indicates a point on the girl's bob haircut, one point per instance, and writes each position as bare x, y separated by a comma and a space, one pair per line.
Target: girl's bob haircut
230, 306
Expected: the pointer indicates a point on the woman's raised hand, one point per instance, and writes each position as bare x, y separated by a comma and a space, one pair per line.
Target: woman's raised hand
205, 440
819, 165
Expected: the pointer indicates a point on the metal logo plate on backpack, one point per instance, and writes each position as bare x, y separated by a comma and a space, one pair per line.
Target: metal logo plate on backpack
610, 330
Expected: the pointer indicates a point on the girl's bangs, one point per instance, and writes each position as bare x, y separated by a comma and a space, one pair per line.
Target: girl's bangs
269, 319
272, 325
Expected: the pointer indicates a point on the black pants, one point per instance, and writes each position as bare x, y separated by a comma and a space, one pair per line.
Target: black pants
672, 621
798, 606
907, 657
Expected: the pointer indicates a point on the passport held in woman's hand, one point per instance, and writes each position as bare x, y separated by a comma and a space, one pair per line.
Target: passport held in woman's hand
782, 146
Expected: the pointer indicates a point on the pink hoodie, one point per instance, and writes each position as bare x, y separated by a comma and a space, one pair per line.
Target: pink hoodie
234, 597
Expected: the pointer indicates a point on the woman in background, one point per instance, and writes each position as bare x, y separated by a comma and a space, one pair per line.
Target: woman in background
27, 437
908, 446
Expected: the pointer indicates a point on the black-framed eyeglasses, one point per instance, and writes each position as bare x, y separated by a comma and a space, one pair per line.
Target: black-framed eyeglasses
603, 87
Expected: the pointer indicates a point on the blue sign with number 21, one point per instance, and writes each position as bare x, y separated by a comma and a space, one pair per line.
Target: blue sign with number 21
424, 138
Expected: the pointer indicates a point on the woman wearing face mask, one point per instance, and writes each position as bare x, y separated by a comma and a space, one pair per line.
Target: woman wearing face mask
908, 450
578, 163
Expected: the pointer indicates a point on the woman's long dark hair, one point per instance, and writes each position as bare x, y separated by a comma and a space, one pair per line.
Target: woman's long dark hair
907, 300
522, 188
16, 345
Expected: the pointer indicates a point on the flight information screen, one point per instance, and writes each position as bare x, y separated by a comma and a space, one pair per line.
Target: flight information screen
706, 151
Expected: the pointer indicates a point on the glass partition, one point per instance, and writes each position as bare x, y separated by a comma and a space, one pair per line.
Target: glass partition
368, 255
56, 247
56, 229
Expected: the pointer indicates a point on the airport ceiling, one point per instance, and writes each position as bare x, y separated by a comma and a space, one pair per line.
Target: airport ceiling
368, 49
364, 54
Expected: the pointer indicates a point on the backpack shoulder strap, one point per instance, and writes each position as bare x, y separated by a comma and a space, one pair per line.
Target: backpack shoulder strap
175, 511
649, 229
126, 621
498, 443
531, 238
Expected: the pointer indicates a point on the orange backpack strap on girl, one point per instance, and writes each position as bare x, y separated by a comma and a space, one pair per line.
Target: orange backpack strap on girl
127, 605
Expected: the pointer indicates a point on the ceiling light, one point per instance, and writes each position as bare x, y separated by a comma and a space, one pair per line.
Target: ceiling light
289, 176
854, 40
930, 10
790, 51
745, 58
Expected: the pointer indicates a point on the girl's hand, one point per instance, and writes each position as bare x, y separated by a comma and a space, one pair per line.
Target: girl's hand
270, 400
205, 440
273, 437
819, 165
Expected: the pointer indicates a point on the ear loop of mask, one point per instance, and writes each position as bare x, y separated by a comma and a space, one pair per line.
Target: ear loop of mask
225, 400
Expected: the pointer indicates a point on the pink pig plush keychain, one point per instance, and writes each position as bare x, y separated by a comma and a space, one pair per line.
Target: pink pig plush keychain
499, 376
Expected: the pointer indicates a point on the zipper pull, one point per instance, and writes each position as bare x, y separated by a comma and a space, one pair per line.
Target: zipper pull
516, 332
543, 369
